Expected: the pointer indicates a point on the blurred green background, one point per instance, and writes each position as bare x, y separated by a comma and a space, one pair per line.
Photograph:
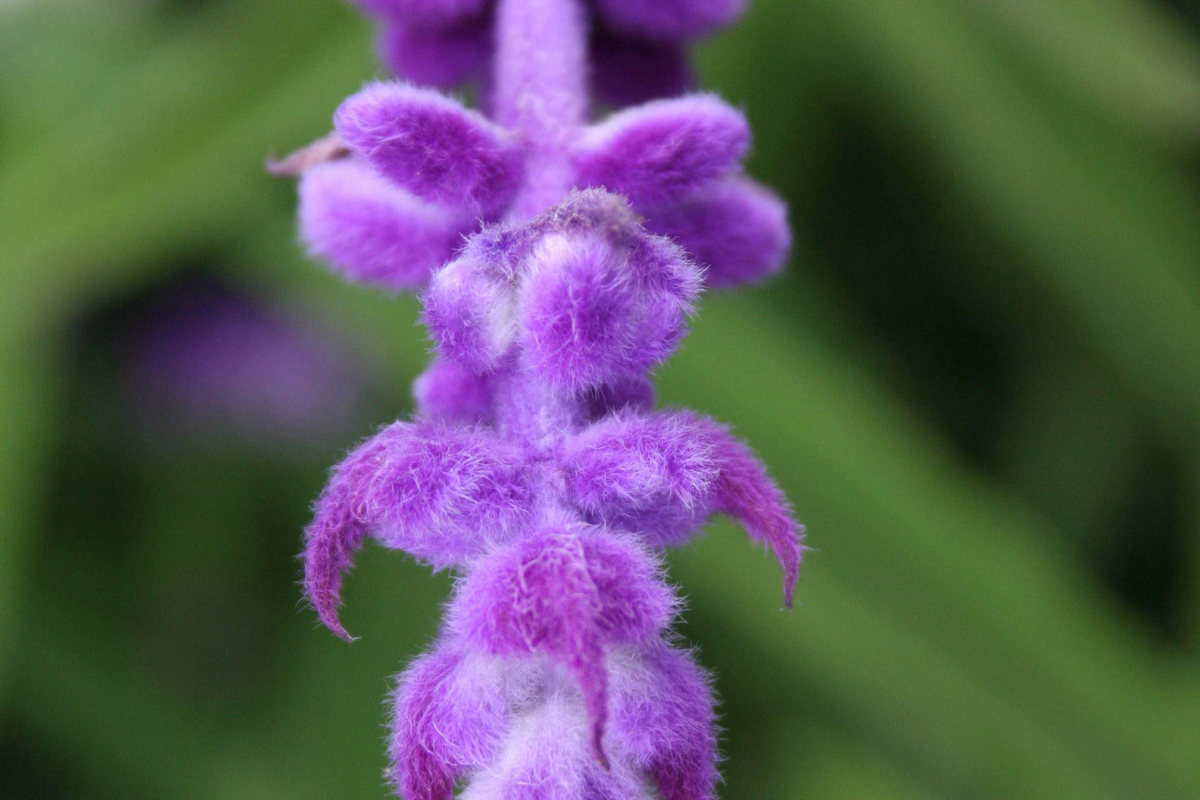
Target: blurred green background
979, 381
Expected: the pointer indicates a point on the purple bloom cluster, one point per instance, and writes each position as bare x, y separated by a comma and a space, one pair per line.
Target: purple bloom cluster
559, 263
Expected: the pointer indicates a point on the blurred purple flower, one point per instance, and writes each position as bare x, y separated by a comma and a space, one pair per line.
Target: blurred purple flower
202, 360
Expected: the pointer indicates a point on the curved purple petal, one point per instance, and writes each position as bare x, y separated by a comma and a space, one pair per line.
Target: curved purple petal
432, 146
448, 716
663, 717
734, 228
438, 493
660, 151
745, 492
661, 476
371, 230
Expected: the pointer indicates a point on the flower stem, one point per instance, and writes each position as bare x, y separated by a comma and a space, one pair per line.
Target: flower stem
541, 91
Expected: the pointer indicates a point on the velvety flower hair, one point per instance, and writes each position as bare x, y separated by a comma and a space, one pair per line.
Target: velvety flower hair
537, 466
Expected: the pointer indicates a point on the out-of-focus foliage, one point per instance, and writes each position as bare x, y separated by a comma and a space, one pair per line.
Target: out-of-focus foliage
979, 382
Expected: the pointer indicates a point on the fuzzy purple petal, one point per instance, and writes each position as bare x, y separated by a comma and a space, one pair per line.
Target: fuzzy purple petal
570, 592
660, 151
432, 146
746, 493
471, 313
440, 494
663, 720
589, 296
734, 228
370, 230
593, 313
450, 393
448, 716
653, 476
423, 768
661, 476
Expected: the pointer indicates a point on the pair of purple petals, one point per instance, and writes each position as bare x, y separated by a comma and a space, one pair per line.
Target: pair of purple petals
409, 173
637, 46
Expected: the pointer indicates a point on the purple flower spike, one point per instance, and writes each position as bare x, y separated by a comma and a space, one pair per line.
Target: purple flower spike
551, 326
431, 146
538, 467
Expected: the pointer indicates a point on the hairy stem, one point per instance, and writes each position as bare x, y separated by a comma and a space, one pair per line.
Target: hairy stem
541, 91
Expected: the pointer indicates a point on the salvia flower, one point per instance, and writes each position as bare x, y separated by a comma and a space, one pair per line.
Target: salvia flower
559, 265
